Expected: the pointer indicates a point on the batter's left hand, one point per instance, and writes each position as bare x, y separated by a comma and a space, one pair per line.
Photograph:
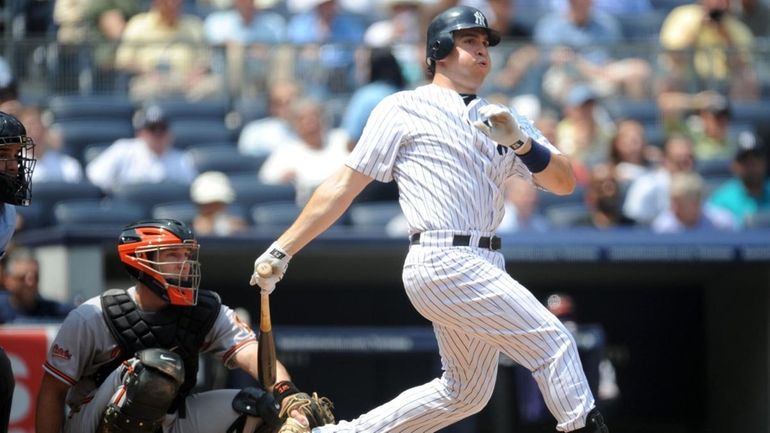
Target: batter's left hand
501, 126
278, 259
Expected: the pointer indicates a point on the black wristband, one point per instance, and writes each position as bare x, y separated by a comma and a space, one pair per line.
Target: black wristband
537, 158
284, 389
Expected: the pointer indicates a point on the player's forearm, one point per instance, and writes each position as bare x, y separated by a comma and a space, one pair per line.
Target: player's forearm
330, 200
49, 417
558, 176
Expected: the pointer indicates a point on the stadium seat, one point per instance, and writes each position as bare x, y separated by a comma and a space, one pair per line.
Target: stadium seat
79, 134
274, 215
714, 168
189, 133
91, 107
546, 199
226, 159
250, 191
147, 195
752, 112
184, 211
567, 215
641, 27
645, 111
45, 195
373, 215
184, 110
102, 212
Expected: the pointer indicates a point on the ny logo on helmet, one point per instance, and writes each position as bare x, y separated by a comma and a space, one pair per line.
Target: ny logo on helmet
480, 20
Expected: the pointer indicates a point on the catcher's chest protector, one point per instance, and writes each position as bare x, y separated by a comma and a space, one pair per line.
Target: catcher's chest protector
178, 328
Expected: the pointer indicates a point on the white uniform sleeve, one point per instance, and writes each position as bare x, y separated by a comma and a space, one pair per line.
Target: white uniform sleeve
72, 349
228, 336
526, 125
377, 149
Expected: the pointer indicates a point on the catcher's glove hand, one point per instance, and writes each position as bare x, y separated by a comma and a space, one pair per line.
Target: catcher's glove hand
317, 410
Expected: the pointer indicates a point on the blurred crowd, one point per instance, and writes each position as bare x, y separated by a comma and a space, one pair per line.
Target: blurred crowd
659, 104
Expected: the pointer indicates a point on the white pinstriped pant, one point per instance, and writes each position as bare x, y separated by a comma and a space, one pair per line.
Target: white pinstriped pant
478, 311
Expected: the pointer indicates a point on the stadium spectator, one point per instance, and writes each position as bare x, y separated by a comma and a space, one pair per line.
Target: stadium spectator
52, 165
579, 38
384, 77
748, 192
148, 157
586, 129
339, 32
648, 195
262, 136
705, 37
21, 301
611, 7
309, 159
213, 194
630, 155
9, 90
521, 208
687, 211
165, 52
710, 130
603, 198
244, 24
401, 24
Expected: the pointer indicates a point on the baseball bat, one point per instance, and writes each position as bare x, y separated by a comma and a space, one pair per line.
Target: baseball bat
266, 353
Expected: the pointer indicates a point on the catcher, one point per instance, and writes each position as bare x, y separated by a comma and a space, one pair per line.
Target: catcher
127, 361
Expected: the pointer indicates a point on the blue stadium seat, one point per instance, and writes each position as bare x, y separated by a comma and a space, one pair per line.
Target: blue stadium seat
190, 132
567, 215
274, 215
641, 27
547, 199
184, 211
91, 107
45, 195
373, 215
714, 168
250, 191
79, 134
752, 112
184, 110
645, 111
226, 159
147, 195
99, 212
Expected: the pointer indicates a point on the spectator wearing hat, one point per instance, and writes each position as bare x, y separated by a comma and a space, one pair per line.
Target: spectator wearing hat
212, 193
147, 157
586, 129
687, 211
708, 129
748, 192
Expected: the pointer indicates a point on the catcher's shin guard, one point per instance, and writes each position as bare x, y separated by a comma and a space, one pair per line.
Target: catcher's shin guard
151, 382
594, 423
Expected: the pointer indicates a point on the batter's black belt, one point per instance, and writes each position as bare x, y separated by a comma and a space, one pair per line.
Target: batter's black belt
490, 243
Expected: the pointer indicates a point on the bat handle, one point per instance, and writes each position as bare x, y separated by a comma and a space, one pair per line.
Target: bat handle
265, 323
264, 270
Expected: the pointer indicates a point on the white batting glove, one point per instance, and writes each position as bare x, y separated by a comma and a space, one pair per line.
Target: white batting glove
278, 259
501, 126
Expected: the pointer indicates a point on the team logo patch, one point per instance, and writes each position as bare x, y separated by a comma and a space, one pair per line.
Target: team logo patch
277, 254
61, 352
480, 20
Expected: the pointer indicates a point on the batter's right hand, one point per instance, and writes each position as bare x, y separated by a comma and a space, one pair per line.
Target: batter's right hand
278, 259
501, 126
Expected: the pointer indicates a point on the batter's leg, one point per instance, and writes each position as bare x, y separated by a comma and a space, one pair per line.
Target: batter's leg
7, 384
470, 370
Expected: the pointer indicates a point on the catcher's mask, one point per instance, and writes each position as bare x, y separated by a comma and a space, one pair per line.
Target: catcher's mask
440, 37
162, 254
16, 161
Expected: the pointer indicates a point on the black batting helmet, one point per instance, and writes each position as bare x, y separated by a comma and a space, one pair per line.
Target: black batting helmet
175, 279
440, 40
17, 161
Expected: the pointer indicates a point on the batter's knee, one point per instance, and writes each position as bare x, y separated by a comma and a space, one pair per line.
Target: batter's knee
469, 400
151, 383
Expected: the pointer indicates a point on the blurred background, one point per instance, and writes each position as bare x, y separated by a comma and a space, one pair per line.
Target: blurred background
227, 114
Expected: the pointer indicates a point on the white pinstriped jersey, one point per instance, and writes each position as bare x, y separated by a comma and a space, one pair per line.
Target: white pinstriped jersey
440, 164
84, 343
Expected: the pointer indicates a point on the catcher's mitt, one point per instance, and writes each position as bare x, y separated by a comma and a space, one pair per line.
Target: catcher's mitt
318, 410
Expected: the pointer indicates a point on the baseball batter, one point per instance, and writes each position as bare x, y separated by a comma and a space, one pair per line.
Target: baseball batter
126, 361
449, 152
16, 165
